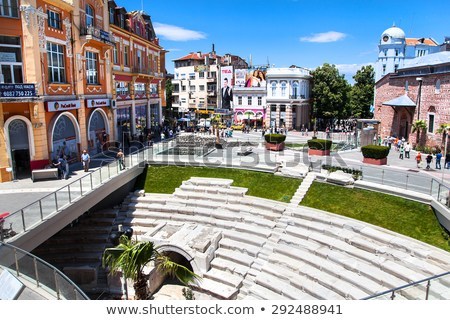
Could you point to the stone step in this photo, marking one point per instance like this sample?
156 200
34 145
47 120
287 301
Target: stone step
216 288
239 246
233 267
234 256
225 277
262 293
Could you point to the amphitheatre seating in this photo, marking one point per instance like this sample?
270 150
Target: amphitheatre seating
267 250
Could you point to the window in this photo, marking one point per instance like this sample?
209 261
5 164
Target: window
437 88
395 68
115 54
406 86
91 68
126 56
396 52
201 75
10 60
202 87
283 89
191 76
274 88
54 19
295 90
431 123
89 16
111 15
122 88
139 88
240 101
183 88
55 60
249 101
9 8
139 59
192 88
121 21
384 68
259 101
138 28
183 76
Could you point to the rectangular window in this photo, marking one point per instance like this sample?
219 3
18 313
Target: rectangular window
55 60
259 101
126 56
111 15
192 88
396 68
91 68
122 88
249 101
191 76
54 19
431 123
240 101
201 87
115 54
384 68
183 88
201 75
10 60
9 8
89 16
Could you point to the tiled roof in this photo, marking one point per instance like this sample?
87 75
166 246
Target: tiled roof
428 60
195 56
414 41
402 101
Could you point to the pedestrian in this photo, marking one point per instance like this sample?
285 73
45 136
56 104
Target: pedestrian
85 159
120 159
62 165
407 150
418 159
66 168
429 158
402 151
56 164
447 161
438 160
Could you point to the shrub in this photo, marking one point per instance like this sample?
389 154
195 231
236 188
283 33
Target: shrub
354 172
275 138
375 152
319 144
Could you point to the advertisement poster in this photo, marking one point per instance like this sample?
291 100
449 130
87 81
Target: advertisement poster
250 78
226 77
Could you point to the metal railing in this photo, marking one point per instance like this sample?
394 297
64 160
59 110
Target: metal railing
36 212
414 289
38 275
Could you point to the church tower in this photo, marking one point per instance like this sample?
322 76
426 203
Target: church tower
391 52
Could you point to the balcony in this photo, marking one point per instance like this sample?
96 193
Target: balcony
92 33
297 96
212 93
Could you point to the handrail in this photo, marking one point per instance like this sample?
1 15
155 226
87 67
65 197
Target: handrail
407 286
58 292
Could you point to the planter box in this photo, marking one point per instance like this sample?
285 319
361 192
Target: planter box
314 152
275 146
378 162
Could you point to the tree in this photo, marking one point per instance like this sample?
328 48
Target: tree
362 93
419 126
329 92
169 98
130 257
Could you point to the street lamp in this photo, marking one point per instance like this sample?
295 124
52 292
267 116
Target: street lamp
419 97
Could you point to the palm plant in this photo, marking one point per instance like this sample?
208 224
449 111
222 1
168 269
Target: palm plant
443 129
130 257
418 126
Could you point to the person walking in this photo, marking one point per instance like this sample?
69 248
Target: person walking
407 150
438 160
418 159
120 159
402 151
429 158
447 161
85 159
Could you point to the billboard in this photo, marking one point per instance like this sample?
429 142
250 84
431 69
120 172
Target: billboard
226 79
250 78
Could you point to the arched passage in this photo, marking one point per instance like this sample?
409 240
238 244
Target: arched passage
20 146
97 127
65 136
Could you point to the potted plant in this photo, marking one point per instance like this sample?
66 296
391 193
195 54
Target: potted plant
375 154
275 141
319 147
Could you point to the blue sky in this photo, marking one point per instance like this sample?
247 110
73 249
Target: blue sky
286 32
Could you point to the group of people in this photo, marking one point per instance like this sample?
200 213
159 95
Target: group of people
437 157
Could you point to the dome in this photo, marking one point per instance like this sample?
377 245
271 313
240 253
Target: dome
394 32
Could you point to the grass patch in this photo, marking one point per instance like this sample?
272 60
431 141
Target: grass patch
406 217
294 145
159 179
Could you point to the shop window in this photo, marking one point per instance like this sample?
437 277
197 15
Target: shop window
91 67
55 60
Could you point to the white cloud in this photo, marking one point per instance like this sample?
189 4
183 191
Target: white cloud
330 36
175 33
351 68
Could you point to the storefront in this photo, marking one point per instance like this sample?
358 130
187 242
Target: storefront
123 116
98 130
250 117
141 119
64 130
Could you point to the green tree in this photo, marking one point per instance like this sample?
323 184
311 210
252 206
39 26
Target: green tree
419 127
169 98
130 257
329 92
362 93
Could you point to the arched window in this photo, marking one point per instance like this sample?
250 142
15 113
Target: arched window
295 91
89 16
283 89
274 88
437 89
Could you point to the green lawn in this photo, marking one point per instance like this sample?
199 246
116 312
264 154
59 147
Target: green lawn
407 217
159 179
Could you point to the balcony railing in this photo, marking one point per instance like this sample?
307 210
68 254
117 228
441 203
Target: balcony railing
98 34
297 96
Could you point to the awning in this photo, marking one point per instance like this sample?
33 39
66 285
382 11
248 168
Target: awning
402 101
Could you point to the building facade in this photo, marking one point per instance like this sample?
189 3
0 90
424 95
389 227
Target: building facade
288 103
138 74
60 48
418 91
394 49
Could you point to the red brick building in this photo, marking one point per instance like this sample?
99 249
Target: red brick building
418 91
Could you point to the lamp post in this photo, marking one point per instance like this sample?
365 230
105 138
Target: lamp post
445 151
419 97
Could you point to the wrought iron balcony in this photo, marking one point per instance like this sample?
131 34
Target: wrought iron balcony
91 32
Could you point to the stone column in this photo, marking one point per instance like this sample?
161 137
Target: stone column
288 118
277 119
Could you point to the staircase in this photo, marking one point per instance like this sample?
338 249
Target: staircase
302 189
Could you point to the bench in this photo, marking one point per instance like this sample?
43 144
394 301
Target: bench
245 152
37 174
